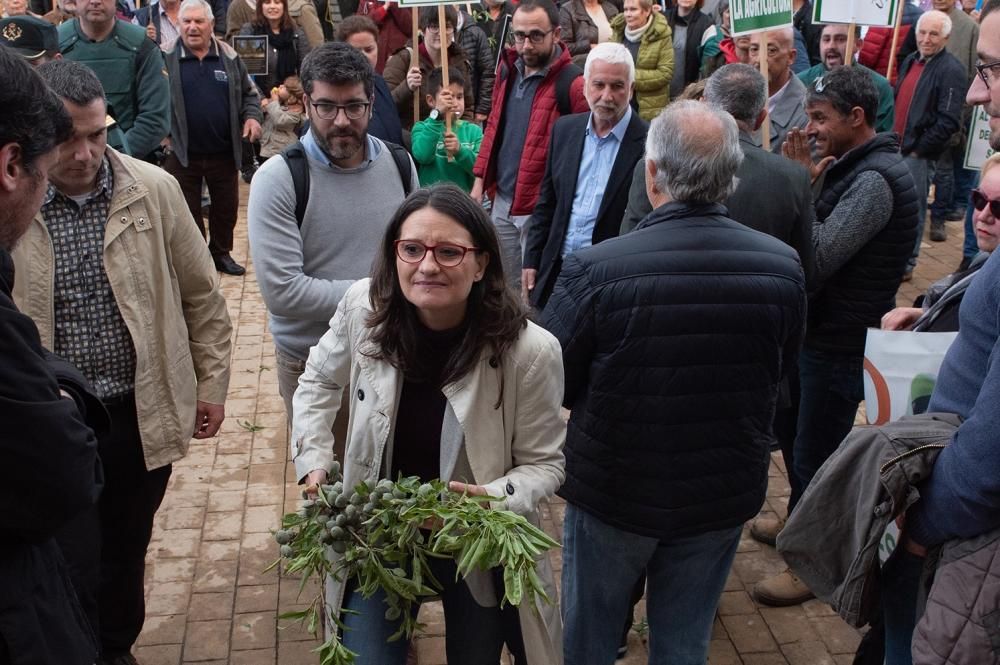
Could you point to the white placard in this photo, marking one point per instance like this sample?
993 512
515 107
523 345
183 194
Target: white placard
978 150
880 13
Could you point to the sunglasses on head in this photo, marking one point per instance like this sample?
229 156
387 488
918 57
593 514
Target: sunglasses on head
979 201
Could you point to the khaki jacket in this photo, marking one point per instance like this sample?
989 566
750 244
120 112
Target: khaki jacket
168 292
514 450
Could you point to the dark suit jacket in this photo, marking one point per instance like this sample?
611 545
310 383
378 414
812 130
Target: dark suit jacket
550 219
773 196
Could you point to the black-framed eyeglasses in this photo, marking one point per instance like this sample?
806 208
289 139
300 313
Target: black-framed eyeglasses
330 111
536 36
447 255
980 201
988 71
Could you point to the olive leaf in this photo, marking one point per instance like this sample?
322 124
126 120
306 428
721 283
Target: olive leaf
377 537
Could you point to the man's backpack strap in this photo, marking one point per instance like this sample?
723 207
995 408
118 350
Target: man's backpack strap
402 159
564 80
298 165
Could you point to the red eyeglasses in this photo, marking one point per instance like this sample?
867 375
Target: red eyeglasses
979 201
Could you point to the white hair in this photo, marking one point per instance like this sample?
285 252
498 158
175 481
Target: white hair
695 147
939 15
197 4
612 53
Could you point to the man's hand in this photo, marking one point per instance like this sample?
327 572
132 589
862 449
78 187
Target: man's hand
451 144
151 31
208 419
477 190
414 79
528 277
796 148
480 118
901 318
251 130
907 543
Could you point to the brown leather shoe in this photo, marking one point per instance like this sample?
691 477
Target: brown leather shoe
766 527
782 590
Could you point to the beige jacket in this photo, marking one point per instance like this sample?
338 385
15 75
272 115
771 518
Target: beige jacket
514 451
168 292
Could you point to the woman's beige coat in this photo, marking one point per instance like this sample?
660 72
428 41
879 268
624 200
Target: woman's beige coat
514 449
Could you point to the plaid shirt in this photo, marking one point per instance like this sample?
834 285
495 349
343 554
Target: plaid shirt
89 329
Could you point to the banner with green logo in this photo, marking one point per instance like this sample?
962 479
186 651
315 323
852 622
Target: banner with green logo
758 15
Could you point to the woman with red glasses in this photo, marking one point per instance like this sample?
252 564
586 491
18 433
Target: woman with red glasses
937 310
449 380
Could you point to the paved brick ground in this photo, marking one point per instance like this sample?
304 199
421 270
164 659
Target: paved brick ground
209 599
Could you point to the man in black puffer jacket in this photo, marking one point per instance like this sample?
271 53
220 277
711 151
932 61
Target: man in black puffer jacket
49 471
675 338
866 220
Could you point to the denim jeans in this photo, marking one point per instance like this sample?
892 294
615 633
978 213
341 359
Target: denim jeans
952 182
831 388
900 587
922 171
474 634
685 577
512 234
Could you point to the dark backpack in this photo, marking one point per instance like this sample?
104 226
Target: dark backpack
564 80
298 165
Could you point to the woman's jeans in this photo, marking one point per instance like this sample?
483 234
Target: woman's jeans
474 635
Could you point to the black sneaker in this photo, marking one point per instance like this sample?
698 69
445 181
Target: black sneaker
939 233
227 265
956 215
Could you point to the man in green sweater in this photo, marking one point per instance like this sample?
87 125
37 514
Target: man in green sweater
833 53
130 68
441 155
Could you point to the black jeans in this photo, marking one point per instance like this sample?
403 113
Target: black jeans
105 548
220 175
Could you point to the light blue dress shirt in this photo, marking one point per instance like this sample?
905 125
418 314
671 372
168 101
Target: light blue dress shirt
598 158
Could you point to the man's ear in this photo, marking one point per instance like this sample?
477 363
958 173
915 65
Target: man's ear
759 120
857 116
11 167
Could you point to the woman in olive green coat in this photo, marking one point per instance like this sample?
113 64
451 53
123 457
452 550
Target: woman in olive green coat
646 34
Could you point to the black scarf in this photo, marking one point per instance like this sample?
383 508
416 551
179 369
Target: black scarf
288 60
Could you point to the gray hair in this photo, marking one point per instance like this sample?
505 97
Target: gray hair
939 15
612 53
695 147
196 4
739 89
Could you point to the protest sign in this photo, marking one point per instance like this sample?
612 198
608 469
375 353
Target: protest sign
758 15
880 13
978 150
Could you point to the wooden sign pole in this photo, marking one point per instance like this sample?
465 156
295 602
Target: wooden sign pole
852 40
443 31
895 42
415 62
766 126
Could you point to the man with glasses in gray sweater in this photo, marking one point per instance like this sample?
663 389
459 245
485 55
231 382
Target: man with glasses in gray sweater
307 257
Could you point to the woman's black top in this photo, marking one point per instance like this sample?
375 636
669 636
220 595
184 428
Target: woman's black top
416 445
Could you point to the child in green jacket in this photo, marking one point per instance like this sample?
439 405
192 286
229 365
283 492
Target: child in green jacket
443 156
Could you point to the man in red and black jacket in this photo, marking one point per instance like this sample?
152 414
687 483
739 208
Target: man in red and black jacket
535 85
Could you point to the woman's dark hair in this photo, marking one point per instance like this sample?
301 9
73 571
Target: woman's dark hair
494 316
429 16
352 25
33 116
287 22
